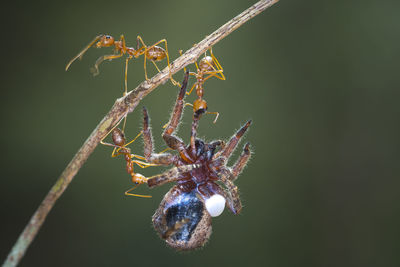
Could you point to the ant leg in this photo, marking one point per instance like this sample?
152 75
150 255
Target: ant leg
155 65
142 164
233 142
194 85
171 175
127 193
167 54
145 67
116 151
122 39
241 162
149 155
216 115
218 65
95 69
144 46
80 54
126 75
214 74
141 51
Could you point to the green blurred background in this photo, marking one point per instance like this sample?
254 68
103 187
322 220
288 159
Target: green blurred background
319 78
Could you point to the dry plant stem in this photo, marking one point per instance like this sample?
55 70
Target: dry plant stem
121 107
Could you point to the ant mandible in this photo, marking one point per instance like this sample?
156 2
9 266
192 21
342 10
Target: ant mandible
152 53
208 67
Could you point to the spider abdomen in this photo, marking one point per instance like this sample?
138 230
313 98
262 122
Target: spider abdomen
182 220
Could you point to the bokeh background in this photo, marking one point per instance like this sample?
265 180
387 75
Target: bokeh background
319 78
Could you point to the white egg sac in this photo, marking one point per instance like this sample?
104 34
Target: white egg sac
215 205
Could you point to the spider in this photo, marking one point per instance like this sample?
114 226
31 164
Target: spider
183 218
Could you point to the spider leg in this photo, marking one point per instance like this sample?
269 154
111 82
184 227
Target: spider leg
232 194
193 134
177 112
227 176
150 156
171 140
241 162
233 142
170 176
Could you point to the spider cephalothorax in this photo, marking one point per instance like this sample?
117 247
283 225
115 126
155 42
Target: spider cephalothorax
183 218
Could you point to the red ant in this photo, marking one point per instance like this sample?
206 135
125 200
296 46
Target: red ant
208 67
120 148
152 53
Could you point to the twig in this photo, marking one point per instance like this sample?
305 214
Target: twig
121 107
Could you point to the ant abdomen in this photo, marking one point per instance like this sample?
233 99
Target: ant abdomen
156 53
206 64
118 137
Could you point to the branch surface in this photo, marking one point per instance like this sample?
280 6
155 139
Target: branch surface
122 107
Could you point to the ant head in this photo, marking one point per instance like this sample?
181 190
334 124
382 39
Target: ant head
199 106
105 41
138 179
206 64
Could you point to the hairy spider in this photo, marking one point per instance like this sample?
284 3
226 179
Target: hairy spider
183 218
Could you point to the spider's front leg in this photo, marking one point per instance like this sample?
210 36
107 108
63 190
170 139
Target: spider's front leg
155 158
168 135
228 175
233 142
241 162
171 175
231 194
177 112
